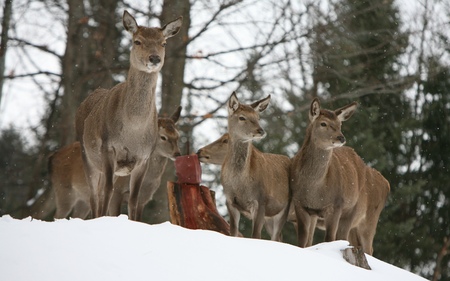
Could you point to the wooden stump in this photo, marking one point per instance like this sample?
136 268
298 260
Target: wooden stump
193 206
356 256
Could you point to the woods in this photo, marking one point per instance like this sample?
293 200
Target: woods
391 57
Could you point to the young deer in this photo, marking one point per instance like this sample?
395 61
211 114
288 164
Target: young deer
215 152
72 191
118 128
330 181
255 184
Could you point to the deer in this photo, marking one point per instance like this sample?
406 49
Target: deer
330 181
255 184
118 128
72 193
215 152
166 148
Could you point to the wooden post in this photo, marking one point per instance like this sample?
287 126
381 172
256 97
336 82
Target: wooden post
192 205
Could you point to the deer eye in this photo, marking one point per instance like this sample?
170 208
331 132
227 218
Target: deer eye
323 124
137 42
242 118
225 141
163 138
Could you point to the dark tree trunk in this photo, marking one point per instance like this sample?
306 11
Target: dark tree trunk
7 11
171 93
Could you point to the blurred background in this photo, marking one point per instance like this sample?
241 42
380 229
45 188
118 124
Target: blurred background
392 57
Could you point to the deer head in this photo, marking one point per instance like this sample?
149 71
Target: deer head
243 120
215 152
167 143
147 53
326 125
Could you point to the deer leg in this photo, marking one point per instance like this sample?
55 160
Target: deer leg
303 225
278 222
108 176
94 200
312 229
235 216
136 179
269 225
258 219
365 232
343 231
331 225
81 210
146 195
64 202
115 203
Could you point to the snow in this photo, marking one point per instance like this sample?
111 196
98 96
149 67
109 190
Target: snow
115 248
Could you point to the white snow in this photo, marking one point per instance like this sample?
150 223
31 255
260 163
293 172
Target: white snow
115 248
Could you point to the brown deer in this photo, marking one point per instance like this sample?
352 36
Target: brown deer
118 128
215 152
72 191
330 181
255 184
166 148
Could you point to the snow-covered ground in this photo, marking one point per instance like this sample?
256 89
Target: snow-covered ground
115 248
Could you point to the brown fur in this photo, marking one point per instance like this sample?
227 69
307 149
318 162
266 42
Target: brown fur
255 183
215 152
72 191
118 128
332 182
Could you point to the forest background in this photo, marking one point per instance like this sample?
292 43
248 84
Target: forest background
392 57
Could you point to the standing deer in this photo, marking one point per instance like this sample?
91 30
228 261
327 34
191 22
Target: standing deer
72 190
330 181
118 128
166 148
255 184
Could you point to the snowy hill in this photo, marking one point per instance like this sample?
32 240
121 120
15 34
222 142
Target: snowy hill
115 248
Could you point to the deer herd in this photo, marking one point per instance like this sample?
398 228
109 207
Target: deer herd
123 148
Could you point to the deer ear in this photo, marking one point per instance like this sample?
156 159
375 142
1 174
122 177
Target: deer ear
172 27
129 22
233 103
176 115
261 105
346 112
314 110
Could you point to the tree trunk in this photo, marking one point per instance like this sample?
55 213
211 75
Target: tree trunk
171 93
175 61
7 11
87 60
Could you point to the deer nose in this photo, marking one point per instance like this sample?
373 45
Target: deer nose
261 131
176 154
155 59
341 138
199 152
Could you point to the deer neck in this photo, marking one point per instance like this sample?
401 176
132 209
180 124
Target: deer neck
315 161
240 153
140 93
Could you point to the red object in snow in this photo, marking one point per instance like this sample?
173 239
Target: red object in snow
192 205
188 169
